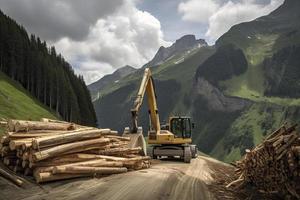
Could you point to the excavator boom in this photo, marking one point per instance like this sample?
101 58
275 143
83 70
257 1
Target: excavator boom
147 85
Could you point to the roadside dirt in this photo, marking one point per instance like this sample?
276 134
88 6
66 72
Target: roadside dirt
166 179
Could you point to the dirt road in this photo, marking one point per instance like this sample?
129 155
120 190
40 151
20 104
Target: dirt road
164 180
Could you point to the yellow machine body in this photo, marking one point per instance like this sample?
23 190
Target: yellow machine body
174 139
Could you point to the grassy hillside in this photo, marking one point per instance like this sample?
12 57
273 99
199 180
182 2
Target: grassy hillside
17 103
271 47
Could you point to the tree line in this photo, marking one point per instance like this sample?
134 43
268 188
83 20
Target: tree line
44 73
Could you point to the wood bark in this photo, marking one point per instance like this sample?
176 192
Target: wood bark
88 170
52 152
67 138
272 163
37 125
48 176
38 147
13 178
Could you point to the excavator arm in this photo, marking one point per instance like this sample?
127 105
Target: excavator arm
164 141
147 86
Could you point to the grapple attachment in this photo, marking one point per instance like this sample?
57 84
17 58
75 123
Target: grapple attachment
136 139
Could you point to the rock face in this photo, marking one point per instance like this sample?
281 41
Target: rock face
216 99
109 79
185 43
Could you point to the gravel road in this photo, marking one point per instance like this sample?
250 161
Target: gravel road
164 180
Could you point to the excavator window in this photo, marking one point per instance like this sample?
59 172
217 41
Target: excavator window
181 127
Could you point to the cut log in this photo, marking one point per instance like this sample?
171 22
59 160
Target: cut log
37 125
67 138
13 178
39 147
26 145
25 163
53 120
28 172
11 125
62 160
120 151
48 176
88 170
120 138
14 144
52 152
272 166
5 140
97 163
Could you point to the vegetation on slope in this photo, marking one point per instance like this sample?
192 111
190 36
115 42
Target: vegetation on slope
17 103
270 82
46 75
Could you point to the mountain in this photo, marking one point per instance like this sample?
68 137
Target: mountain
173 81
237 91
97 87
256 64
181 46
46 75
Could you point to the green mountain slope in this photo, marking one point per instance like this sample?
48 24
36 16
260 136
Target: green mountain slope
17 103
237 91
270 83
113 107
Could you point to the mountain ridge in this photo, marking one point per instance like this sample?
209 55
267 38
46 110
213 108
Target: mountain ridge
181 45
97 87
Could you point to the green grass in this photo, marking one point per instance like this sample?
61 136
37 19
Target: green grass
17 103
250 85
258 120
233 155
252 81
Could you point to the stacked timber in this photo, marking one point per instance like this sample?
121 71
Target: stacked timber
273 166
53 150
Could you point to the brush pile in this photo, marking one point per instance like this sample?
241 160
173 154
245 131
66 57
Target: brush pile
54 150
274 165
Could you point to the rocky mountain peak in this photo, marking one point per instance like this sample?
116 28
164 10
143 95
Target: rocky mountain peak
181 45
124 71
187 41
97 86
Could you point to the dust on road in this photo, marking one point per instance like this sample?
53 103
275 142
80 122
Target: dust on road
164 180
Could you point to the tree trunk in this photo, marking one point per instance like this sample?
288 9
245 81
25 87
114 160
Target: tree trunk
36 125
88 170
42 155
11 177
48 176
67 138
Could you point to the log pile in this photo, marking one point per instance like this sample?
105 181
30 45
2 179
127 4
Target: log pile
52 150
273 166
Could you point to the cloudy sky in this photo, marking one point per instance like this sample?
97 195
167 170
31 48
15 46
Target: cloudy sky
99 36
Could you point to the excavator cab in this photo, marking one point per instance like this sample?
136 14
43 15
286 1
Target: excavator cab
181 127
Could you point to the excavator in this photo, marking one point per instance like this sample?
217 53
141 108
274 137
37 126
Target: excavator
173 139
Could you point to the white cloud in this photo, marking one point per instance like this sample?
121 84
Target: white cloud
220 16
54 19
197 11
128 36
